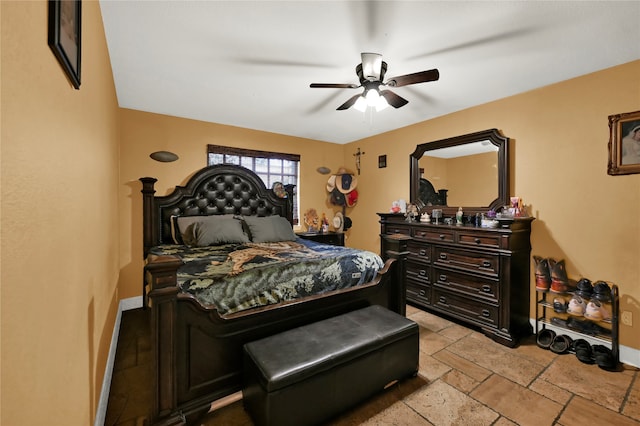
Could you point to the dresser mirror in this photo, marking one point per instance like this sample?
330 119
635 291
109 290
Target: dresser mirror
469 171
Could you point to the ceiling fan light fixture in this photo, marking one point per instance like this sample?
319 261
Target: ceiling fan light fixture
381 104
371 66
372 97
361 104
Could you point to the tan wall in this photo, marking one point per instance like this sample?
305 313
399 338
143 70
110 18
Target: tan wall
559 167
144 133
59 221
471 180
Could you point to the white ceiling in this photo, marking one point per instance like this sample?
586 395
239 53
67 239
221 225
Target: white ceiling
250 63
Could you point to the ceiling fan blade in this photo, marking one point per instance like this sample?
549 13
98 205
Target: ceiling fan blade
334 86
393 99
349 103
417 77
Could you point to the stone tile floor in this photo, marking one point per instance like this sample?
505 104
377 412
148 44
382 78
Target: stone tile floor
464 378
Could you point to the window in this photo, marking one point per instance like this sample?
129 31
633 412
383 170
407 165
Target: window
271 167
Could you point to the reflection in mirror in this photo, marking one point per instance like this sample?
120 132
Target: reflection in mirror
446 170
468 171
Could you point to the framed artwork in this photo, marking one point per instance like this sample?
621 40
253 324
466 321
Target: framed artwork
382 161
65 36
624 143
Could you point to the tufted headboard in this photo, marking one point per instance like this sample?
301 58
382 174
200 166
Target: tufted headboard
221 189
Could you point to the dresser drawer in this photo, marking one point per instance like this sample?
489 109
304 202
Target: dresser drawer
429 234
418 272
419 251
480 240
473 286
392 228
479 313
418 293
470 261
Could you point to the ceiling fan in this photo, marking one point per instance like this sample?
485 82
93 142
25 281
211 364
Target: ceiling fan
371 74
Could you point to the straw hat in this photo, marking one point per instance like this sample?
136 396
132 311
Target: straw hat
345 181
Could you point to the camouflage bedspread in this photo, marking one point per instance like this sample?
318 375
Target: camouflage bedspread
235 277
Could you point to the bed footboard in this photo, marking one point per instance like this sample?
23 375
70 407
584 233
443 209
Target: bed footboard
197 353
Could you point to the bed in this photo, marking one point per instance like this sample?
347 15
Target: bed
230 221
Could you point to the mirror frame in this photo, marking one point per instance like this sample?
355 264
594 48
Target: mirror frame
493 136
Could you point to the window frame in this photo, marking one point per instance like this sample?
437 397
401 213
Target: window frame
253 154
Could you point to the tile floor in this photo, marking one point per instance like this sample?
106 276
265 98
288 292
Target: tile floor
464 379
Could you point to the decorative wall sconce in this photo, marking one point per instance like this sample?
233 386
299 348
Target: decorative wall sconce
163 156
358 154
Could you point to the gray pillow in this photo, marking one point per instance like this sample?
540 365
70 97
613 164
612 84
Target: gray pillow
184 234
269 229
223 229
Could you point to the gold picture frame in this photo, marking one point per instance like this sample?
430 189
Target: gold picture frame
624 143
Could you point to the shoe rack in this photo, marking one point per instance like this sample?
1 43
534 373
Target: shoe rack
546 315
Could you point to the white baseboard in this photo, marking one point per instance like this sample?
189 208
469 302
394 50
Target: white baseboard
629 356
124 305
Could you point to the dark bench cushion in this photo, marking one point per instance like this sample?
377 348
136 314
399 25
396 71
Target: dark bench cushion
297 354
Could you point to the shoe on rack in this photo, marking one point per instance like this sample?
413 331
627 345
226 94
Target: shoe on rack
559 279
577 306
561 344
543 274
584 288
596 311
602 292
560 305
586 327
545 338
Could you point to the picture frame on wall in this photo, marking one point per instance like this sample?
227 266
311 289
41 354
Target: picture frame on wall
624 143
65 36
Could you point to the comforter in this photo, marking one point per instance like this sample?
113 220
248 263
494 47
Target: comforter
236 277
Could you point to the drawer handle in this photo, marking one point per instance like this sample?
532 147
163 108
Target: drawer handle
477 240
443 256
443 277
423 252
485 313
486 264
443 300
486 288
422 234
422 293
422 273
441 236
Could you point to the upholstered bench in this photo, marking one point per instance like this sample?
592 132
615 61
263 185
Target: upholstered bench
312 373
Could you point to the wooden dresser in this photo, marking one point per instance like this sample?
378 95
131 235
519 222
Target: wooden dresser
479 276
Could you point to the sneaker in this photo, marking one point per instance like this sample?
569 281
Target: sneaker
602 292
577 306
584 288
560 305
596 311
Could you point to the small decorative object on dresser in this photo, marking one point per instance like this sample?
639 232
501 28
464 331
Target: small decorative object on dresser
472 274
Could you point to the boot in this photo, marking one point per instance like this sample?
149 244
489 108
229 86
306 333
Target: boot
559 279
543 274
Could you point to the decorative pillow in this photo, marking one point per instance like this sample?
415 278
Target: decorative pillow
223 229
182 232
269 229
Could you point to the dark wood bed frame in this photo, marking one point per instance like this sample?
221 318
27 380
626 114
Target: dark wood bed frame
196 352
